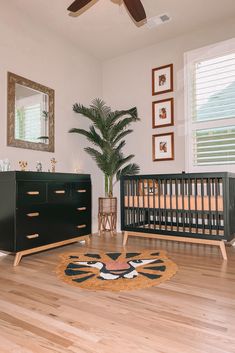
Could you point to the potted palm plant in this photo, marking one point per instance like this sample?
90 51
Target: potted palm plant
106 134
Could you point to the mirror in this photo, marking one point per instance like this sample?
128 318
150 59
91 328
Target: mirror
30 122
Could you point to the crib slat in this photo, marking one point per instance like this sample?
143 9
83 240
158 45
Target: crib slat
189 204
171 194
138 201
148 203
143 203
177 204
154 203
128 202
202 198
209 201
216 206
159 203
196 208
165 205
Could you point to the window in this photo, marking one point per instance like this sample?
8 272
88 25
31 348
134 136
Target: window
31 123
28 123
210 107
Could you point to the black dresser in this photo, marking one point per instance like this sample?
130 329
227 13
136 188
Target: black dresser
39 211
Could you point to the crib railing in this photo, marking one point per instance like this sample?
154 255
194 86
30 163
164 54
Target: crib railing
186 204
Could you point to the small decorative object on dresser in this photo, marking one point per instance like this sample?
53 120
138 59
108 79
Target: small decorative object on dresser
5 165
39 211
23 165
162 79
53 163
39 166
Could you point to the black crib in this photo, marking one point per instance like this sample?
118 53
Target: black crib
195 207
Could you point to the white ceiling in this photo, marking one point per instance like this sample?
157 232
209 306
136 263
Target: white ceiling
106 30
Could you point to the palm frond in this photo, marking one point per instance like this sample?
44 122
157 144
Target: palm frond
88 113
119 161
93 114
120 146
120 136
100 105
130 169
98 157
117 114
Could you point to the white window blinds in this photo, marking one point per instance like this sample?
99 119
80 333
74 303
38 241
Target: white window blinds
28 123
212 111
214 89
214 146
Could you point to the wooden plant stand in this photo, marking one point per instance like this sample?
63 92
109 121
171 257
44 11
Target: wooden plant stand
18 255
219 243
107 215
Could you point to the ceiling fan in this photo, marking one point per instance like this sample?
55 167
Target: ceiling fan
134 7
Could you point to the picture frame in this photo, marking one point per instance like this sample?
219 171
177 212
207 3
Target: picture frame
163 113
162 79
163 147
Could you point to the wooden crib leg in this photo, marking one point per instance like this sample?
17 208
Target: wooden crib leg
125 238
223 250
88 240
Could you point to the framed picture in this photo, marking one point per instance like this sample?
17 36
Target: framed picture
163 147
162 79
163 113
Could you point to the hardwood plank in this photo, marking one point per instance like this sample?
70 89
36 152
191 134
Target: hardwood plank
193 312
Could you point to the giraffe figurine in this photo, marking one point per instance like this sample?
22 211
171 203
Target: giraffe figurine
53 163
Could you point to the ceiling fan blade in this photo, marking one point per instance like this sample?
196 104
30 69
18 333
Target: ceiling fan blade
136 9
78 5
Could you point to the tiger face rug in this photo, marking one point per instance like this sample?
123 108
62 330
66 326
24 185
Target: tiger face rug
116 271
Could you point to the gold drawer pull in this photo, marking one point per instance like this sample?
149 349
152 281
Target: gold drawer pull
32 236
81 190
59 191
33 214
33 192
81 226
81 209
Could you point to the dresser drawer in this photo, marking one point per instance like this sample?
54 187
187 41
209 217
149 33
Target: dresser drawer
30 193
78 229
80 215
29 237
59 193
30 216
81 193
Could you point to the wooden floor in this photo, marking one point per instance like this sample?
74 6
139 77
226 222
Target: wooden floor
194 312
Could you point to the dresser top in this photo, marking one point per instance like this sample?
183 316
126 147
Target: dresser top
43 176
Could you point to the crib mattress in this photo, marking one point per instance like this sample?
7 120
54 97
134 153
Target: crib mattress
199 203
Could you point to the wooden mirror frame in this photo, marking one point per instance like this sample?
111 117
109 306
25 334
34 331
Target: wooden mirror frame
12 80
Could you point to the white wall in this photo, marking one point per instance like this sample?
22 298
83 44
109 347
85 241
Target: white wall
40 56
127 82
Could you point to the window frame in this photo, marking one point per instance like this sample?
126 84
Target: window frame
190 58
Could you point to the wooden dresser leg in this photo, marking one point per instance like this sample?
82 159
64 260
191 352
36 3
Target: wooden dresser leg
18 257
125 238
223 250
